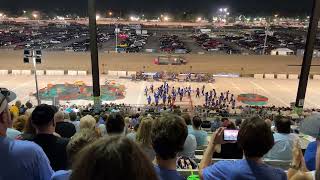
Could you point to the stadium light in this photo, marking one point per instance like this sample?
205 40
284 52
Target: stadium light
166 18
24 11
199 19
110 13
225 10
221 10
1 14
97 16
35 15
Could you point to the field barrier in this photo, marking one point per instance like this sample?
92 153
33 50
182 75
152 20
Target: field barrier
128 74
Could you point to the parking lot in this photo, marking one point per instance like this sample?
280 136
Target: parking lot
139 39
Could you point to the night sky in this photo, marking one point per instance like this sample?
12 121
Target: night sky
285 7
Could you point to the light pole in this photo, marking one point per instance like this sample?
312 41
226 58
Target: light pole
35 54
116 31
265 41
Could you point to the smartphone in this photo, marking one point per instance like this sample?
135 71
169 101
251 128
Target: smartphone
230 135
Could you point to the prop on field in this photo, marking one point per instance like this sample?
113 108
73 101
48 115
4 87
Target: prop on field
253 99
80 91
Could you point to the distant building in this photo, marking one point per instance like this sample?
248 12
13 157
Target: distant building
316 53
282 52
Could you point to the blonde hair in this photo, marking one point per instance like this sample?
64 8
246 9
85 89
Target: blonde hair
144 132
20 122
58 116
87 122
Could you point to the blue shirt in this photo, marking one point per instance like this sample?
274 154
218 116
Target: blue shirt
166 174
12 133
201 137
242 170
23 160
310 155
282 148
61 175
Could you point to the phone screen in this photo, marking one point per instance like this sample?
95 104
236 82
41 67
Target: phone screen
230 135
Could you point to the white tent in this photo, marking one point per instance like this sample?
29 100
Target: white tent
282 52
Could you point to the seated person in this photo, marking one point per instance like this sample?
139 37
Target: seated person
76 143
230 150
19 159
63 128
42 119
310 155
115 124
169 133
256 139
112 157
201 135
283 140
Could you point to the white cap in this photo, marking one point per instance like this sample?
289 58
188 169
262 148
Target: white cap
6 96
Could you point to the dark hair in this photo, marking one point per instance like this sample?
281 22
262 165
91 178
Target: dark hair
42 115
29 105
186 118
73 116
238 122
112 157
255 137
283 124
196 121
115 123
80 140
169 133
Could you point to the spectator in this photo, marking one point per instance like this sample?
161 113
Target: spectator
256 139
215 124
229 150
187 119
42 119
63 128
190 145
238 123
87 122
74 120
132 135
201 135
112 157
115 124
169 133
11 132
29 132
20 123
102 124
15 109
298 169
127 125
76 143
29 109
283 140
19 159
225 122
310 155
144 137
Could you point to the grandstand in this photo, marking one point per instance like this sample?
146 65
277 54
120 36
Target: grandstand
123 116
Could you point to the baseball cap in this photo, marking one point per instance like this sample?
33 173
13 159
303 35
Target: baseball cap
6 96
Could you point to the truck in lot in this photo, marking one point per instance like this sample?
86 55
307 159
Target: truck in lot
170 60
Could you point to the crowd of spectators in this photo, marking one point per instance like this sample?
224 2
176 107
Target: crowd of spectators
123 142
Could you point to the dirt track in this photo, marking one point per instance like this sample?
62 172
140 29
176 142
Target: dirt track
135 62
